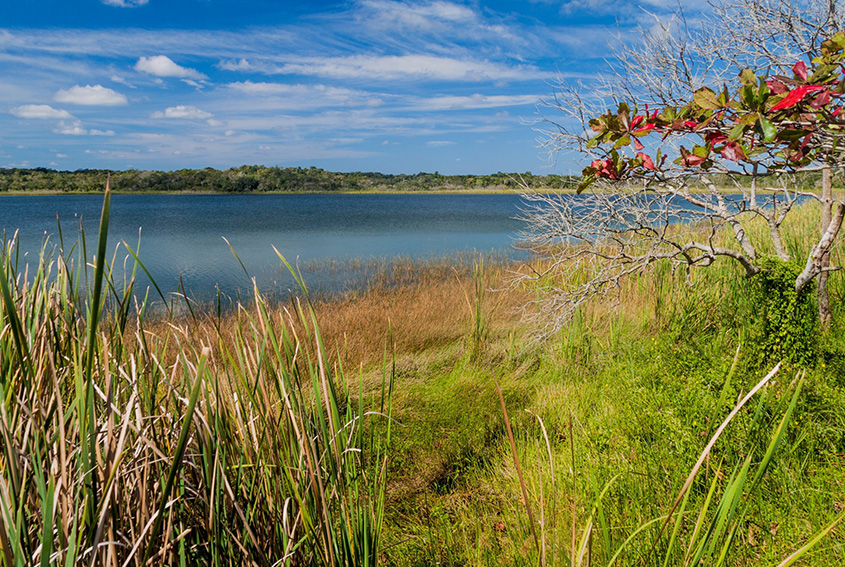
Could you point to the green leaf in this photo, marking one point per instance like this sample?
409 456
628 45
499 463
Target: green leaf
724 97
707 99
747 77
624 115
737 132
769 130
701 151
790 134
586 182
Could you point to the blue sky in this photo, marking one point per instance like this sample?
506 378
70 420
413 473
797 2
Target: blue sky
397 86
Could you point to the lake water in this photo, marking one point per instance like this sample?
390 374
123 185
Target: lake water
181 236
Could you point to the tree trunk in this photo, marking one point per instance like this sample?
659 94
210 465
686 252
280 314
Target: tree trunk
821 284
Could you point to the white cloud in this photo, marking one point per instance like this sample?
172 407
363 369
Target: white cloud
73 129
125 3
420 15
239 65
40 111
439 143
61 155
474 101
627 7
193 83
428 67
278 89
96 95
94 132
182 111
122 81
164 66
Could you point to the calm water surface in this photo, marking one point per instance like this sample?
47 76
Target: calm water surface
182 235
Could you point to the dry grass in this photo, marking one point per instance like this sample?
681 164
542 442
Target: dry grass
417 306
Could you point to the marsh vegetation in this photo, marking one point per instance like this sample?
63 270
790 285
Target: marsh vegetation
414 424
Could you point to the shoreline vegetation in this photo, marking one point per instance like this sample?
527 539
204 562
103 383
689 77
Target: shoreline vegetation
414 424
256 179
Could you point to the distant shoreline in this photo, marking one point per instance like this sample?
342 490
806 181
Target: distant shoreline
268 180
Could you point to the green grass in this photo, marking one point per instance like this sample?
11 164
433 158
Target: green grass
206 438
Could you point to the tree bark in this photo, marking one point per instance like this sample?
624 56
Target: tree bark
821 284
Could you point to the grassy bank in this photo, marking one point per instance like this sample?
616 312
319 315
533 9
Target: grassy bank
370 429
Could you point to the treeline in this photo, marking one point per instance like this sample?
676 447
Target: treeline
260 179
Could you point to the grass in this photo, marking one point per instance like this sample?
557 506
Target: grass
414 422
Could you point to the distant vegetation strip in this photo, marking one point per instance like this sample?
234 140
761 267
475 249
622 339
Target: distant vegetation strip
261 179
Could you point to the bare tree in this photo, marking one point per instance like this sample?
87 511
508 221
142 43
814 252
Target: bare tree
678 212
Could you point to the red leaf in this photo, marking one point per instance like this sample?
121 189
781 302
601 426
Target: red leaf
715 138
636 121
795 96
800 70
733 152
777 86
647 127
638 145
605 168
647 163
690 124
797 156
821 100
691 160
806 140
609 169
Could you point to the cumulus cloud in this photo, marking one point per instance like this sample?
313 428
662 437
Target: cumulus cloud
230 65
94 132
182 111
96 95
73 129
125 3
164 66
41 111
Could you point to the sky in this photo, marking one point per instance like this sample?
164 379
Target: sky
396 86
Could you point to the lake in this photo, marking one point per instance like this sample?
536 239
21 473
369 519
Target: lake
182 236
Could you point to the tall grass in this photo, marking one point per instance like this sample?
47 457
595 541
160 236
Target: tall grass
128 444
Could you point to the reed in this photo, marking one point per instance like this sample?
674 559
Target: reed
125 444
